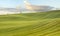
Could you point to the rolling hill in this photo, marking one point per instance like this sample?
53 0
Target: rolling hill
31 24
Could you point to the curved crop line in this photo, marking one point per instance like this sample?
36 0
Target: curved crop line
42 31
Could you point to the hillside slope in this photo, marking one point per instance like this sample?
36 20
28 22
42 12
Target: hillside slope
31 24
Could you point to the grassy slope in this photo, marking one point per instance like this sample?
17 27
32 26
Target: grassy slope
32 24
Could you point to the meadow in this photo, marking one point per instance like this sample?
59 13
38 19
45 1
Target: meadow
30 24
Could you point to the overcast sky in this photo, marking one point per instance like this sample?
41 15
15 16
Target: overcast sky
14 3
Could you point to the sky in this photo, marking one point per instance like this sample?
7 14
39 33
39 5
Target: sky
15 3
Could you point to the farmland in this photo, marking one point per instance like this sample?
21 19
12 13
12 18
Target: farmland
31 24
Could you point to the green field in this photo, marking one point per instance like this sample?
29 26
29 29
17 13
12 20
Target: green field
31 24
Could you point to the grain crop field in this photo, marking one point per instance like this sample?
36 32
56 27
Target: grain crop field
31 24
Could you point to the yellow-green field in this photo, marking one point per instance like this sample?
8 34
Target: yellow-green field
31 24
